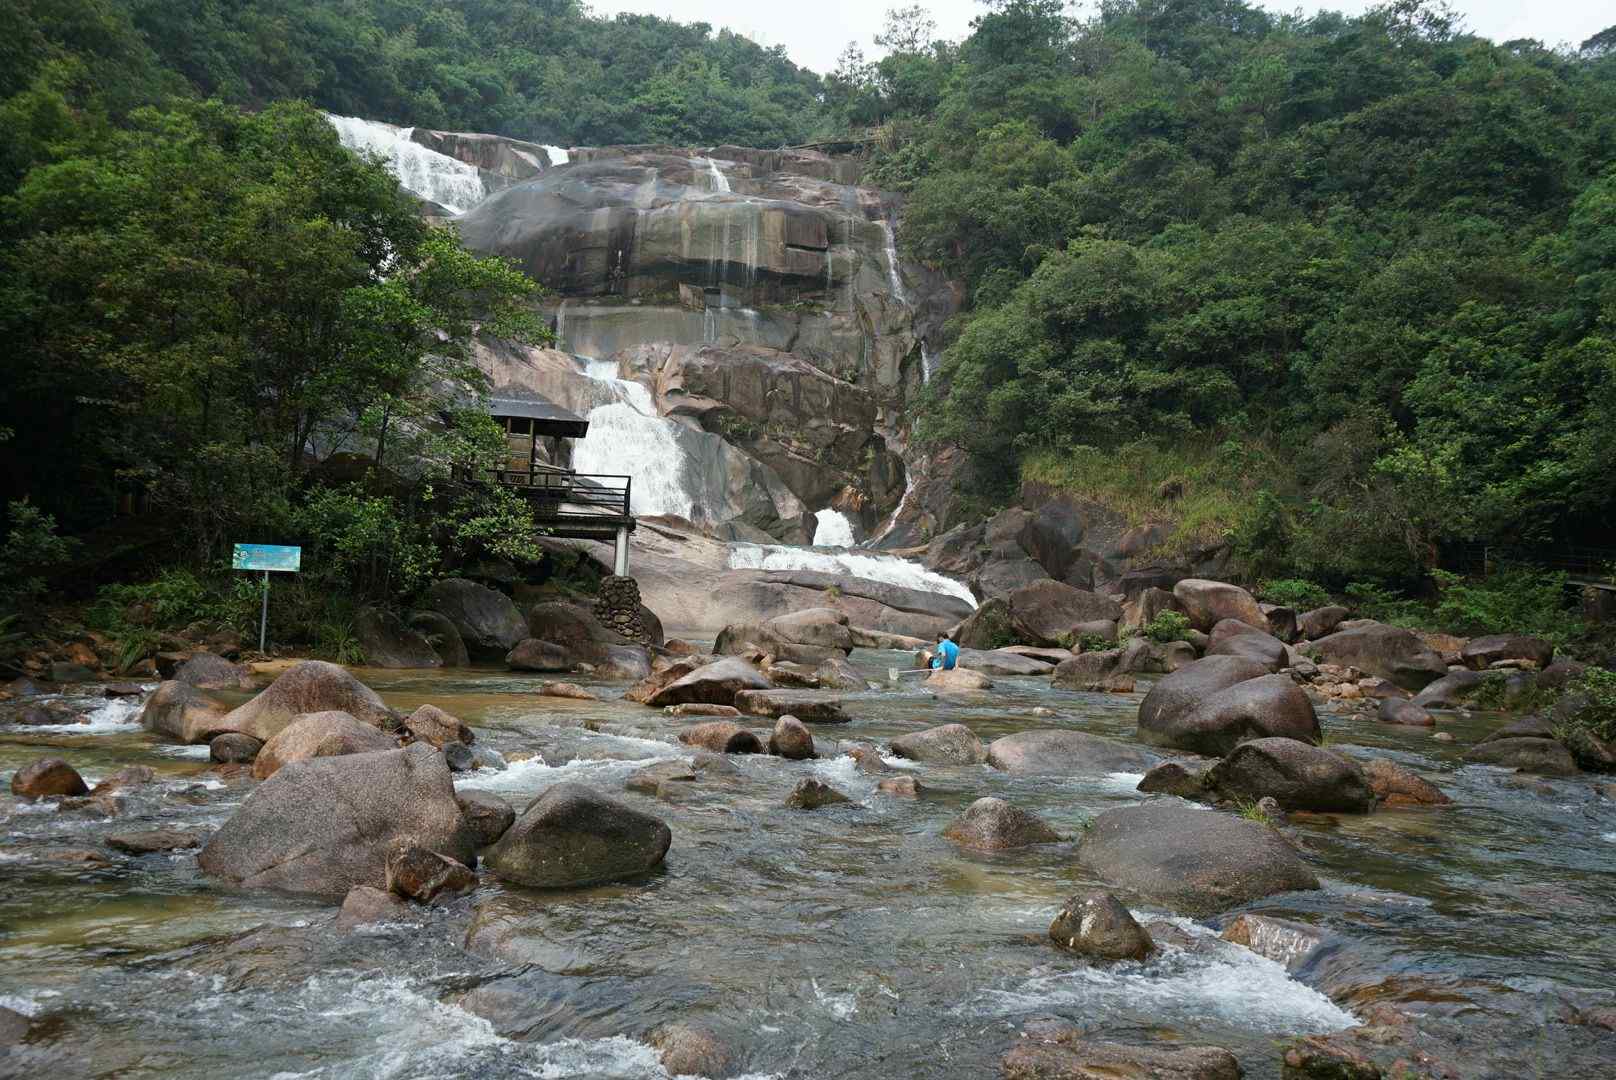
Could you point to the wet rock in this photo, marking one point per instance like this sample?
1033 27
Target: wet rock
13 1027
47 778
948 744
866 758
1062 752
568 690
1298 775
572 836
713 684
425 875
1292 944
823 627
1545 757
1192 860
649 780
687 1050
722 737
1523 727
484 816
154 840
308 686
209 671
623 663
1387 651
957 681
1047 612
1479 654
992 824
531 654
809 706
1060 1052
441 634
181 711
1394 785
838 673
431 725
1207 603
1318 1057
366 906
902 786
1231 637
1086 669
1096 925
1189 685
459 757
1403 712
325 825
318 735
389 642
700 709
738 639
812 794
233 748
1171 778
791 740
125 779
1272 705
1312 625
487 621
1003 662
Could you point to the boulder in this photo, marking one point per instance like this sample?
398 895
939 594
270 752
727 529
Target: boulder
531 654
1312 625
572 628
1207 603
1061 752
1401 711
209 671
948 744
825 628
999 578
957 681
687 1050
1195 861
1394 785
1048 612
1047 657
47 778
1087 669
484 817
994 825
424 875
440 633
318 735
366 905
1059 1051
739 639
624 663
1479 654
487 621
1224 718
1290 944
1190 684
812 794
308 686
1231 637
233 748
125 779
181 711
988 627
572 836
662 676
838 673
1004 662
325 825
571 691
866 758
430 724
1450 691
1560 674
722 737
151 841
1172 778
903 786
809 706
713 684
1388 651
791 740
390 642
1282 622
699 709
1545 757
13 1027
1298 775
1096 925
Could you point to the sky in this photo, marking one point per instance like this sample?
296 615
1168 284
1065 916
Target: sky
815 33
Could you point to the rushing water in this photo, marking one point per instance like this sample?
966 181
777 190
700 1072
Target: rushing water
849 942
885 568
833 529
449 182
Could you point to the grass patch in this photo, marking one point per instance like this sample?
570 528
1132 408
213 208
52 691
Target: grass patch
1251 811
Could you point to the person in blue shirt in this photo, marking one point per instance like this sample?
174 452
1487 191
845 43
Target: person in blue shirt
947 654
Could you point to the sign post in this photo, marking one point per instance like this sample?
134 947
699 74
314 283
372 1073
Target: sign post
266 557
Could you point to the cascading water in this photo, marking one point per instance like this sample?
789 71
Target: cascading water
628 438
557 155
897 514
888 569
720 181
833 529
894 278
453 185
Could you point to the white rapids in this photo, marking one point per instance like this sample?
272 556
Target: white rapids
452 184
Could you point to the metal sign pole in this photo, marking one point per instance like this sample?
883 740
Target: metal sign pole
263 617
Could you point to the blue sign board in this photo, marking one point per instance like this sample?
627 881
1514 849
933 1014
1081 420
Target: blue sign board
266 557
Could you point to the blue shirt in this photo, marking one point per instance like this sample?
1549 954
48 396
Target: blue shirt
947 656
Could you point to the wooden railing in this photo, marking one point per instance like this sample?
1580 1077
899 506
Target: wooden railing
563 495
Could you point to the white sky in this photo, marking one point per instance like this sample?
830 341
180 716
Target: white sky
815 33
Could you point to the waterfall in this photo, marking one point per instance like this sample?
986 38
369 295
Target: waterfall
891 522
885 568
557 155
895 279
452 184
720 181
628 438
928 362
833 530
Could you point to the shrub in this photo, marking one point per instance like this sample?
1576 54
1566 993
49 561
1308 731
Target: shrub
1167 626
1598 716
1386 605
1094 643
1516 600
31 549
1293 593
175 599
367 546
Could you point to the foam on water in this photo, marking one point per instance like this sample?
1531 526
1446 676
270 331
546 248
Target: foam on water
834 529
1609 837
842 1006
623 441
109 717
716 175
449 182
200 752
558 155
894 278
883 568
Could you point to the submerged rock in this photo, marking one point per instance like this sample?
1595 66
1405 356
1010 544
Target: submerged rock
365 905
572 836
1062 752
13 1027
809 706
947 744
1298 775
1403 712
991 824
317 735
791 740
904 786
425 875
567 690
1060 1051
233 748
1172 778
1394 785
154 840
687 1050
1289 943
1545 757
1095 924
484 816
47 778
811 794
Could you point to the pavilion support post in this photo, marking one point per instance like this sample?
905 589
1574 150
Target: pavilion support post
620 562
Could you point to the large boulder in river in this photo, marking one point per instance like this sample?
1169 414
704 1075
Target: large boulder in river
1087 669
825 628
712 684
738 639
390 642
1545 757
1231 637
1394 785
1481 653
1298 775
1191 684
441 634
1096 925
994 825
309 686
47 778
1315 624
957 681
531 654
1450 691
722 737
1048 612
181 711
1272 705
988 627
321 734
949 744
487 621
572 836
1207 603
1004 662
326 825
210 671
1388 651
1194 861
573 628
810 706
1062 752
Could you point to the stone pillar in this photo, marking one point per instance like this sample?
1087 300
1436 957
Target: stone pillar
617 605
